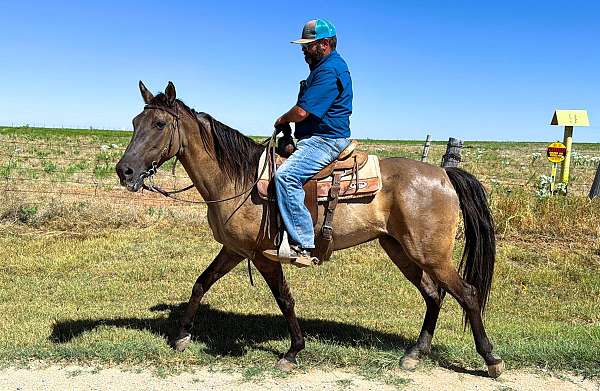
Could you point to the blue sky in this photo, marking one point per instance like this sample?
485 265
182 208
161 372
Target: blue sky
471 70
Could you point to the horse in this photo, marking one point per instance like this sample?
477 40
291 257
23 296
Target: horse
415 218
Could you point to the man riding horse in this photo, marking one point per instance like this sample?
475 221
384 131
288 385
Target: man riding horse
322 118
415 216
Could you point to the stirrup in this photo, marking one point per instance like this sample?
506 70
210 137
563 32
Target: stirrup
296 261
284 255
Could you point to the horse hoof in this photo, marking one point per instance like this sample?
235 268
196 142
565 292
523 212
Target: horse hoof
409 363
286 365
495 370
182 343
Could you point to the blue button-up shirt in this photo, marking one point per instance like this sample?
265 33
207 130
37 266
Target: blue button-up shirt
327 97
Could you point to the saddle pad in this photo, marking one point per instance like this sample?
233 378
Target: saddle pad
367 184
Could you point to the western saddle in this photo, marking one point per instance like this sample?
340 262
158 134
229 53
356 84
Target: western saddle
338 180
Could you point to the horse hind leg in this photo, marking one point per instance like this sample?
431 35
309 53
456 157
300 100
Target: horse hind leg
431 293
448 278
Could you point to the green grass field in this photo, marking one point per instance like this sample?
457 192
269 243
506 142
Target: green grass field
100 279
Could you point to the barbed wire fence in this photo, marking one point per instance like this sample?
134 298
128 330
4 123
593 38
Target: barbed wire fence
78 169
37 171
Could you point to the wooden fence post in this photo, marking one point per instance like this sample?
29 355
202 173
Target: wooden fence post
452 156
425 154
595 190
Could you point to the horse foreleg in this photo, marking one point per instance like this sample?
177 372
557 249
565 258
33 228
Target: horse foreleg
221 265
432 295
273 275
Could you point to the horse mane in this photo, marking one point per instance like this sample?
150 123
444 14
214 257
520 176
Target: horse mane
236 154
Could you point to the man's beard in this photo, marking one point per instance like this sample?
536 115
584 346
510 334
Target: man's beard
313 59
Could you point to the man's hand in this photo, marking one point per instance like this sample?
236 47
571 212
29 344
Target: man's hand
286 129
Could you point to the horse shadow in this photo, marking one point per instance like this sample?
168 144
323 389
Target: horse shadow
232 334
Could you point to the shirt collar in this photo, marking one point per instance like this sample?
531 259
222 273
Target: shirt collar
324 60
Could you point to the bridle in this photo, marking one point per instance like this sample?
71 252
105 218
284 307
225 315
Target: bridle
175 113
151 172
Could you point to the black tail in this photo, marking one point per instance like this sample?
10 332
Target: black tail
477 263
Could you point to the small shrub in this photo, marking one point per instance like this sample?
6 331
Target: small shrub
545 185
26 213
48 166
579 159
77 167
7 169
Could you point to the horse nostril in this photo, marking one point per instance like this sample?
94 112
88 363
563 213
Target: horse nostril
128 171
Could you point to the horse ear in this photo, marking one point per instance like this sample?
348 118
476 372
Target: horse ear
170 92
147 95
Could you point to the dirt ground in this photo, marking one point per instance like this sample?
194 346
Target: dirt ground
53 377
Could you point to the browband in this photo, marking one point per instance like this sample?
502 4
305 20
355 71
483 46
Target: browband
163 108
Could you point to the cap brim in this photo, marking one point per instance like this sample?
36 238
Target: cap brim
304 40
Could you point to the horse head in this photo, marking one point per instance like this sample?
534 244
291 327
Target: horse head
157 137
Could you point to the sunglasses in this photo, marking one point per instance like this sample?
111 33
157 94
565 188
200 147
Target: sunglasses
308 45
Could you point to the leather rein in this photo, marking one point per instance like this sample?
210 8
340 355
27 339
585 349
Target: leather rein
149 174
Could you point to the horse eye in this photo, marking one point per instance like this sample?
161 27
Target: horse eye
160 124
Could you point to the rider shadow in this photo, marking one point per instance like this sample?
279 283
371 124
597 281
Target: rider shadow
231 334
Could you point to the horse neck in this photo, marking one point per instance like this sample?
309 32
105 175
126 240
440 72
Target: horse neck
201 167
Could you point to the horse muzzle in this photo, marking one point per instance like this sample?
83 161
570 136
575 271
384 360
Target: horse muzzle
130 177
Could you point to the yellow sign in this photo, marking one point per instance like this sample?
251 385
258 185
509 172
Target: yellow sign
570 118
556 152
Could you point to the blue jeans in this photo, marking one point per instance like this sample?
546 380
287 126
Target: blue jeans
311 156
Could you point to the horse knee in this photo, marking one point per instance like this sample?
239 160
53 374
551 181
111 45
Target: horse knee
286 302
197 290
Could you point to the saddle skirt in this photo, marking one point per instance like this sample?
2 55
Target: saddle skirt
366 183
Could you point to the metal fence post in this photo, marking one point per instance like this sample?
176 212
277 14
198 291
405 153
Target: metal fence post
425 154
452 156
595 190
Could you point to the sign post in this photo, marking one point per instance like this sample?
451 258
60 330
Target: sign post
569 118
556 153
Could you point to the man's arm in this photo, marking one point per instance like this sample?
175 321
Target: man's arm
295 114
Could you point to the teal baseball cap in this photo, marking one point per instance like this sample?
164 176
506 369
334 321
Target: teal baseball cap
316 29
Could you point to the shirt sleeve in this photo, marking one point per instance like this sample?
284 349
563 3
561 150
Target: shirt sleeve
321 93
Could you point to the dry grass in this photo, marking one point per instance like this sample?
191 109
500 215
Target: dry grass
520 214
89 216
